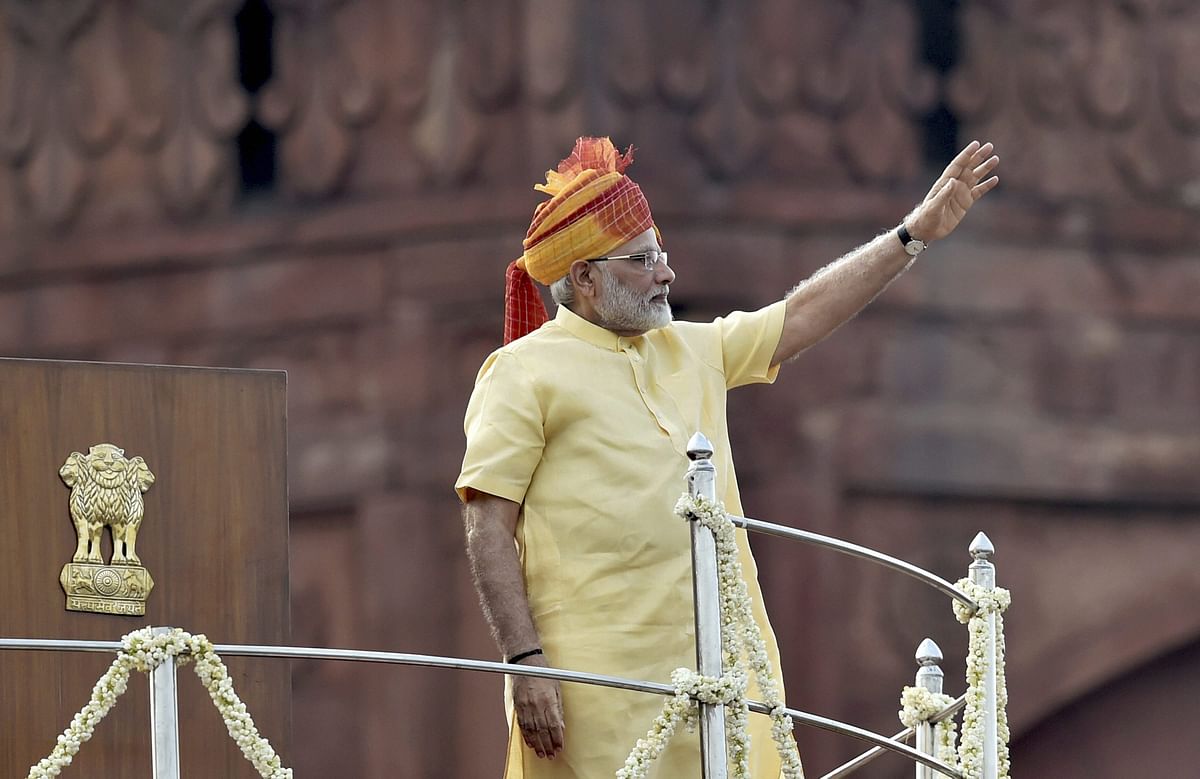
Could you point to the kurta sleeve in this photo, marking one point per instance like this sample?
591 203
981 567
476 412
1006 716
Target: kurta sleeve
748 341
504 430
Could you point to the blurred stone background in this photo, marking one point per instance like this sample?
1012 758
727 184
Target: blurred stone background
333 187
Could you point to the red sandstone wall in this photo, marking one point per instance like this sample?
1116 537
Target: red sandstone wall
1037 375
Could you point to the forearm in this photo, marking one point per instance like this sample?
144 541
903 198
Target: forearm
834 294
496 570
537 703
840 290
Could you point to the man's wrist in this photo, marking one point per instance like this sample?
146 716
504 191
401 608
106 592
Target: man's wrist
912 245
519 656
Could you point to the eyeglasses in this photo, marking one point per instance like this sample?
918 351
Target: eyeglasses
650 259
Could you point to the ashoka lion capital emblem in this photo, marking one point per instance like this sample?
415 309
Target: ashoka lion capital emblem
106 491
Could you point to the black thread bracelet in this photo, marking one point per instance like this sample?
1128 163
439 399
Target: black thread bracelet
523 655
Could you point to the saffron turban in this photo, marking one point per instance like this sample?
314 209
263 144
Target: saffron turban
593 208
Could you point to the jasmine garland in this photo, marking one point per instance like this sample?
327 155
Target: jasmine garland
143 651
919 705
970 749
741 645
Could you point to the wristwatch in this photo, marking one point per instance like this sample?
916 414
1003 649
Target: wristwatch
911 245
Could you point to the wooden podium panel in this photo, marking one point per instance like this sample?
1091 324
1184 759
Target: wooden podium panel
214 538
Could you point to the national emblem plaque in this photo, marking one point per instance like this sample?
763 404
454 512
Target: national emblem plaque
106 490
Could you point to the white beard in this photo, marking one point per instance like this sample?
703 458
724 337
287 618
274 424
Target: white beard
621 308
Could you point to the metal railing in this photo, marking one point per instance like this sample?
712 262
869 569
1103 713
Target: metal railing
701 482
861 552
981 572
852 765
164 675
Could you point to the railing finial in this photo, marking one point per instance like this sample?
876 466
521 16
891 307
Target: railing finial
929 653
699 447
981 547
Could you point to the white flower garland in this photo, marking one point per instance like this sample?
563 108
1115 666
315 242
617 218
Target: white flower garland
144 651
918 706
741 641
970 749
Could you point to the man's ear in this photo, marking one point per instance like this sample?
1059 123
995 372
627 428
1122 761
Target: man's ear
583 278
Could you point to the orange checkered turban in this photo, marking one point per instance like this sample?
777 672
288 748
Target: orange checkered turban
593 208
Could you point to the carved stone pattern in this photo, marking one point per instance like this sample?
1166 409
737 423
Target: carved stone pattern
317 98
472 94
82 75
51 123
448 133
1041 76
187 104
553 73
765 89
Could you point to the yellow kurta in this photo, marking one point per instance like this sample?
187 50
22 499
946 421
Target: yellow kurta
588 431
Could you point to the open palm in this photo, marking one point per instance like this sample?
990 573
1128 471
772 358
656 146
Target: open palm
964 181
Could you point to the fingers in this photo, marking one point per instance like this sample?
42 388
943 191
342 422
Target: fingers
963 166
977 165
535 730
548 737
551 734
557 727
531 732
982 188
539 738
971 164
964 160
977 185
966 179
981 153
985 167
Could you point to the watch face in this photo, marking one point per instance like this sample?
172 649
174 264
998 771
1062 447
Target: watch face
914 247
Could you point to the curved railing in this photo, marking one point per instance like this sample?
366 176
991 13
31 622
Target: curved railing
701 483
881 743
852 765
861 552
164 720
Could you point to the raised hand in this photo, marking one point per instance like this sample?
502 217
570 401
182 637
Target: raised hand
964 181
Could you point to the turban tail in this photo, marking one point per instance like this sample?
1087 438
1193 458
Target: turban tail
593 208
524 311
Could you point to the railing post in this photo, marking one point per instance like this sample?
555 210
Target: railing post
929 676
164 718
701 481
983 574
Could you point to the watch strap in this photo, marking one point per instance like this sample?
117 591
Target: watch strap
912 246
523 655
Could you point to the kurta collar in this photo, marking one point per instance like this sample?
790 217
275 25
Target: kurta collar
592 333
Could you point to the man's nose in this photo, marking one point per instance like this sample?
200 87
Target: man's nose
663 274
